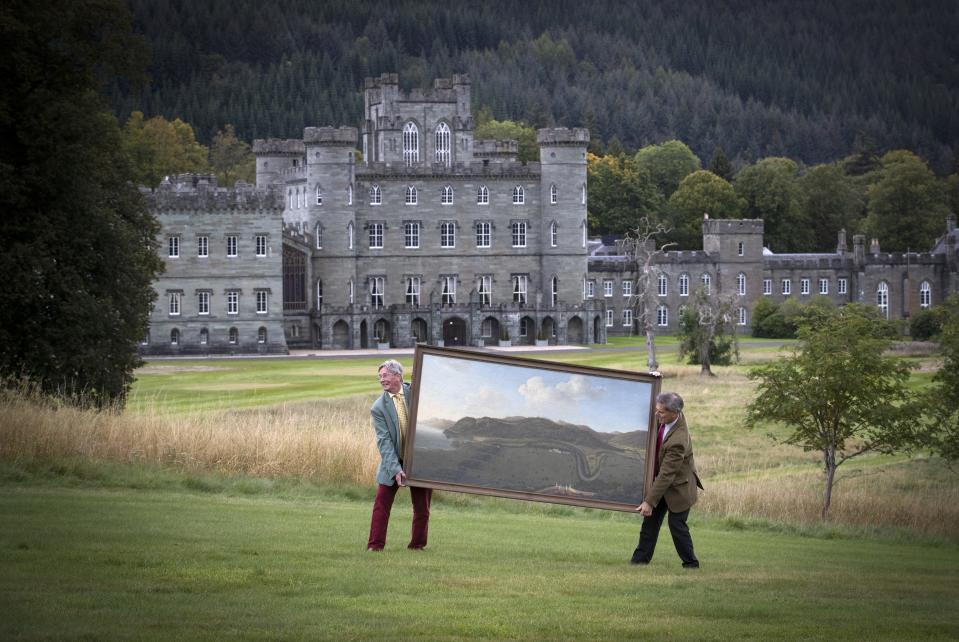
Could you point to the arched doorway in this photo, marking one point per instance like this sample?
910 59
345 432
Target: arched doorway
574 331
341 335
364 339
527 330
454 332
317 336
547 329
597 330
381 331
489 331
420 330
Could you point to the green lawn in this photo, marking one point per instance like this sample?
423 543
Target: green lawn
92 562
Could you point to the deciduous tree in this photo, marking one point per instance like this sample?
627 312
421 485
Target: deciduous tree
231 158
707 334
771 192
159 148
79 244
837 393
941 402
700 193
668 164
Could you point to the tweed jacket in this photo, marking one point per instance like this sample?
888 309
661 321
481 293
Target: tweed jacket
386 425
677 479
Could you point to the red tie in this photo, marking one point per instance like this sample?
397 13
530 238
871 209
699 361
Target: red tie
659 444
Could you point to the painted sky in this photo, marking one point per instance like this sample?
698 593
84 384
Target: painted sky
451 388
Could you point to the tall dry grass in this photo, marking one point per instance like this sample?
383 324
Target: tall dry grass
327 441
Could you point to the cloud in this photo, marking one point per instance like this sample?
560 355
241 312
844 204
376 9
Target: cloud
539 395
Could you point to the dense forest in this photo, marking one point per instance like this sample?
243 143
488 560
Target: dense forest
803 79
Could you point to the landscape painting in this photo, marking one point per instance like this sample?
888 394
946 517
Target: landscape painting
530 429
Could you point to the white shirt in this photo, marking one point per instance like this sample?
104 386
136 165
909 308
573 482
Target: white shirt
669 426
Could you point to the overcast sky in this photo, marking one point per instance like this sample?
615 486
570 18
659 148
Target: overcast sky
451 388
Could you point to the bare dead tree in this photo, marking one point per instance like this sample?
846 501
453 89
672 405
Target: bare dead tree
707 331
640 246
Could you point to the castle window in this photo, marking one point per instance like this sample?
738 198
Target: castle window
410 195
447 197
174 304
376 291
232 302
483 234
173 247
803 286
262 302
203 246
519 195
627 318
299 198
590 289
882 299
553 194
519 233
231 246
261 335
524 327
411 144
349 194
925 295
318 235
204 336
376 196
319 294
349 235
741 284
608 287
485 290
841 286
482 195
448 290
174 337
411 235
662 288
707 283
741 316
349 287
234 336
787 287
319 195
442 144
823 286
260 241
662 316
627 288
583 198
583 227
289 198
767 286
553 234
609 318
413 290
203 302
519 288
376 236
684 285
448 234
554 288
741 248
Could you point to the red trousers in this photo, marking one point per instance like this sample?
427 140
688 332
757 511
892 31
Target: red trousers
381 515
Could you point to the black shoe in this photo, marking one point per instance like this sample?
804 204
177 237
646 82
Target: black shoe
696 565
636 562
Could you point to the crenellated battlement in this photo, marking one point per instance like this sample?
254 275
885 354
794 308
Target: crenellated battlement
732 226
342 136
200 193
496 149
562 136
279 146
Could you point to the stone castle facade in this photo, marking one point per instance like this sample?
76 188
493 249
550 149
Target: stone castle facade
440 238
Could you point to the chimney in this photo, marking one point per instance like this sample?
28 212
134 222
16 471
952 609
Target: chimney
874 246
841 247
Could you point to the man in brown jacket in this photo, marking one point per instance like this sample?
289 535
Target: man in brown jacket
674 486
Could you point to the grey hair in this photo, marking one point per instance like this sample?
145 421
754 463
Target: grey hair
670 401
392 365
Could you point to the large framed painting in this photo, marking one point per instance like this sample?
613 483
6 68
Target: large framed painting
530 429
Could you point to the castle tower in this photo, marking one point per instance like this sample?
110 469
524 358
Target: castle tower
421 128
330 178
736 248
273 157
563 223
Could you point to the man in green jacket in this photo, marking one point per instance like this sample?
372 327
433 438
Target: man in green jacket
674 486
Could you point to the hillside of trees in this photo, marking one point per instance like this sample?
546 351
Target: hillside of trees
756 80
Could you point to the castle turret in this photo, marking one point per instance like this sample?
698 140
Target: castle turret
563 197
273 156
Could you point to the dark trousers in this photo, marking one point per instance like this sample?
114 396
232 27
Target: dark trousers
677 528
381 515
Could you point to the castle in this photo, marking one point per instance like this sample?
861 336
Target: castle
436 237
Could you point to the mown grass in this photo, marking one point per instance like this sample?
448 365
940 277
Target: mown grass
95 562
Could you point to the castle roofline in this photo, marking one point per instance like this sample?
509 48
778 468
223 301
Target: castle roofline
279 146
345 136
562 136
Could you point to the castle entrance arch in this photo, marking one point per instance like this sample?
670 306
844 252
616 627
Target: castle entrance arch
341 335
364 331
574 330
420 330
454 332
597 330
